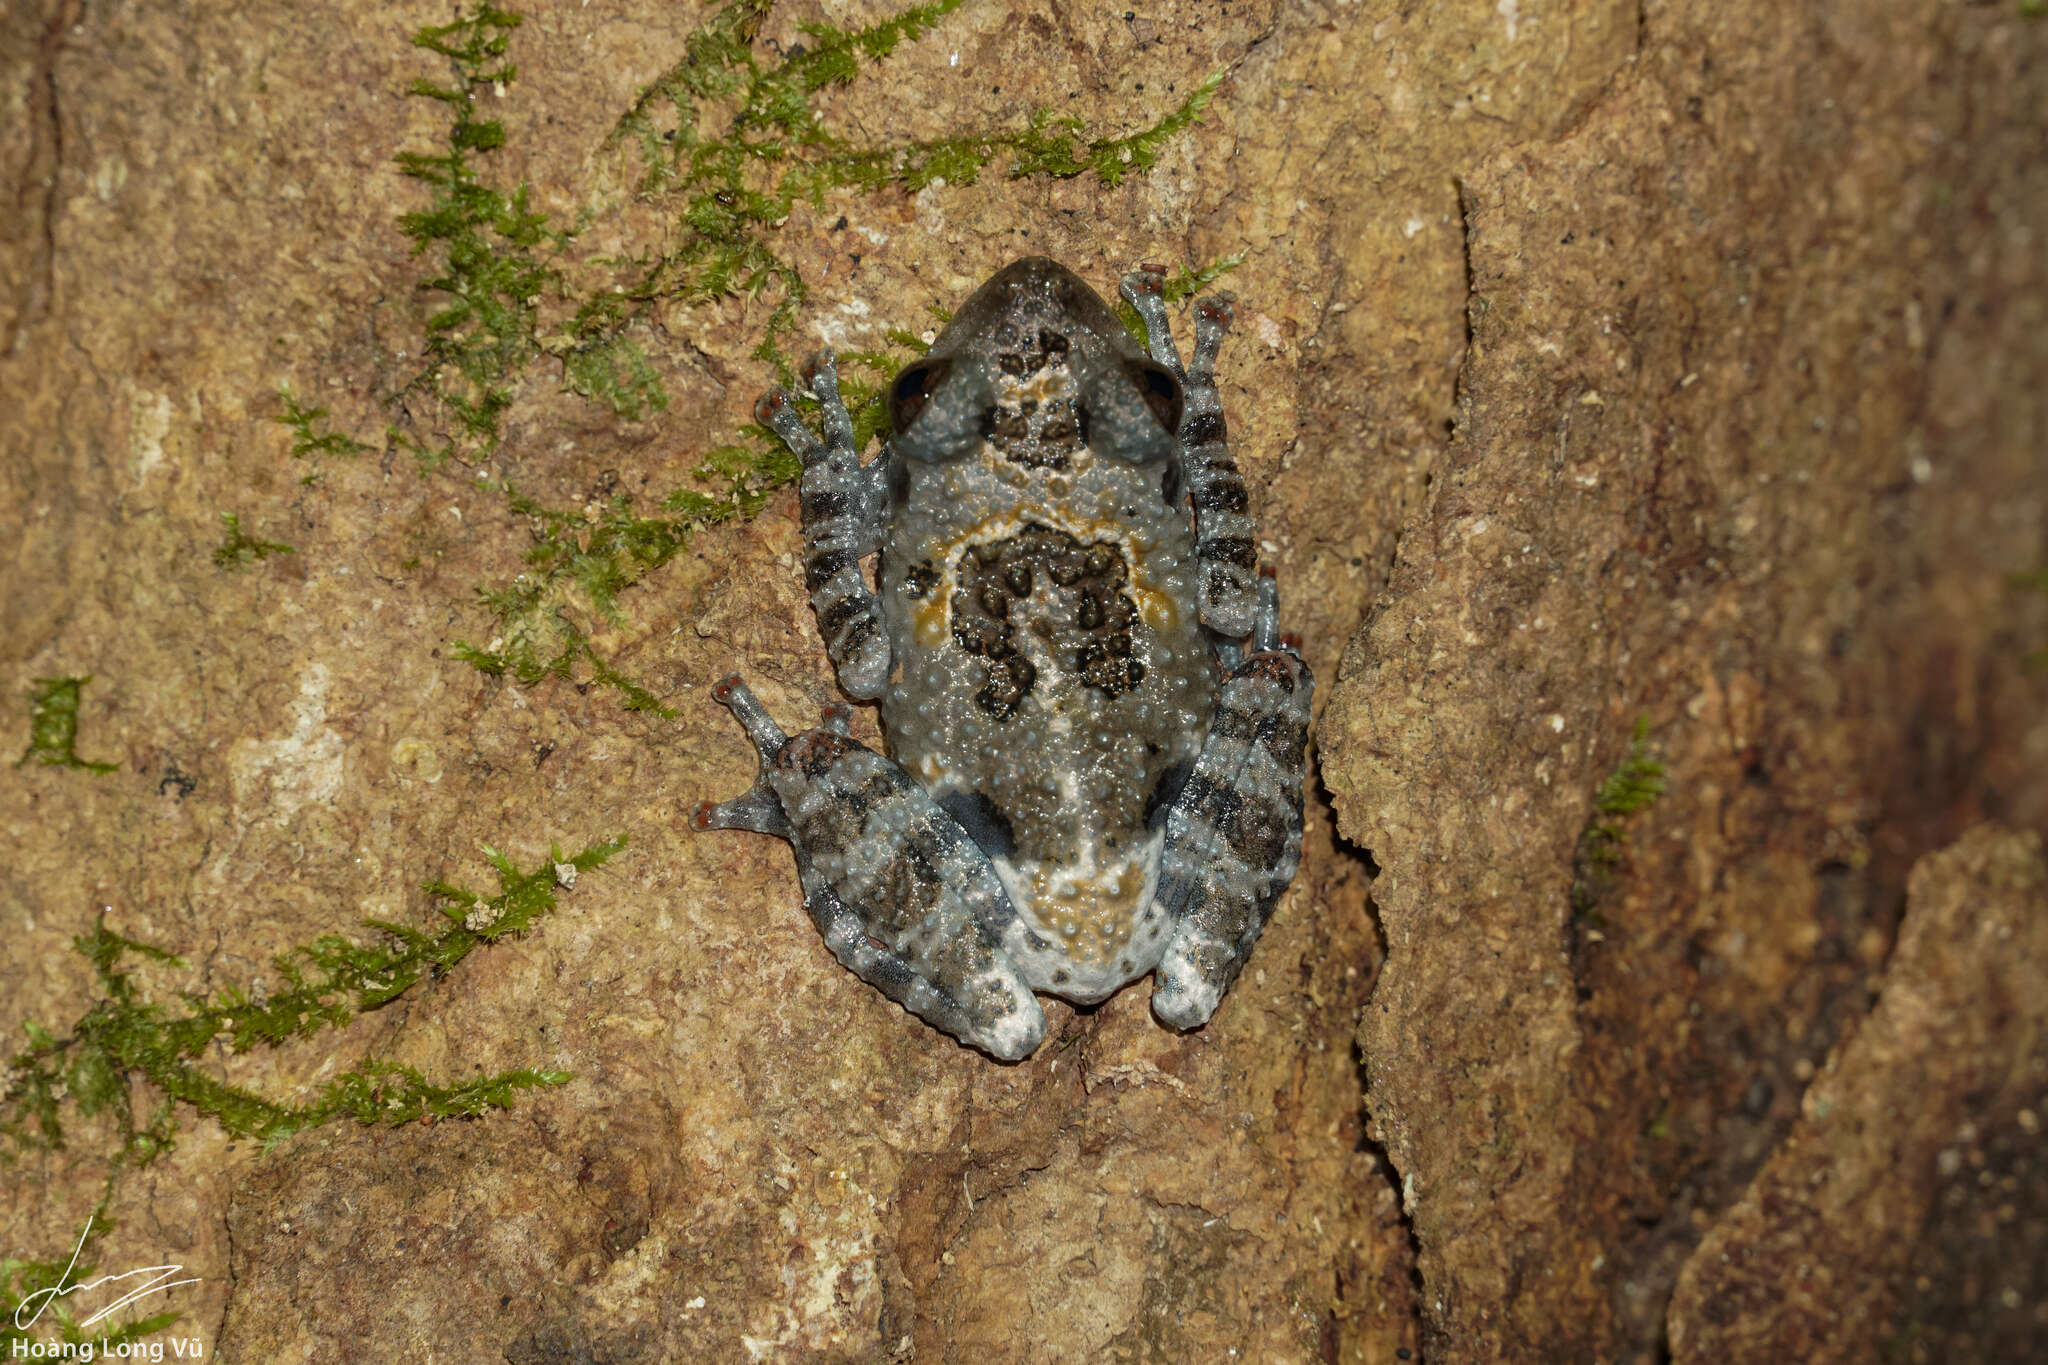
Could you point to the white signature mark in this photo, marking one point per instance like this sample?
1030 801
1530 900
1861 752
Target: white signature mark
43 1298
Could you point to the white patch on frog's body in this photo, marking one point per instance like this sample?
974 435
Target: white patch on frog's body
1103 941
1063 549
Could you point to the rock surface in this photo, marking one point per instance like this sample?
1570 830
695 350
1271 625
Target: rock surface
1836 1250
1594 361
1747 450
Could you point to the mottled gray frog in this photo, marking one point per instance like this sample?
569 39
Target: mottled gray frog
1096 733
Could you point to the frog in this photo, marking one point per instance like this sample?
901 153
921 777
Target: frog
1095 733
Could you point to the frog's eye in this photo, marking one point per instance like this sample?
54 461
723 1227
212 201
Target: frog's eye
913 389
1160 390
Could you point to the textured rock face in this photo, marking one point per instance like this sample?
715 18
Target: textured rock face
1722 463
1594 362
1860 1233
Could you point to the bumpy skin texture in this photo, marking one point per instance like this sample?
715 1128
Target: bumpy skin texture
1092 777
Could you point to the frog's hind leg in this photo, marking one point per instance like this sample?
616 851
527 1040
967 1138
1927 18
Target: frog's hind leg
903 897
1225 541
1233 834
842 507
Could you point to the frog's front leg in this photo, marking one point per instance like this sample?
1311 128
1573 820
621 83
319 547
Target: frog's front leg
842 514
1224 541
902 895
1233 834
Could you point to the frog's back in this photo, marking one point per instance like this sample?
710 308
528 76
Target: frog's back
1038 583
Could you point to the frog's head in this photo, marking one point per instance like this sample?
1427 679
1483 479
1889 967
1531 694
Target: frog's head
1036 363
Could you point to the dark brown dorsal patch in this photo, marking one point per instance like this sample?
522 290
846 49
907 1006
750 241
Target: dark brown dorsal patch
1072 596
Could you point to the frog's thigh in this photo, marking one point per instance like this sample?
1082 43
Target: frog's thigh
902 895
1233 835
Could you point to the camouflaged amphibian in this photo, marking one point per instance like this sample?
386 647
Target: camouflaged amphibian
1095 733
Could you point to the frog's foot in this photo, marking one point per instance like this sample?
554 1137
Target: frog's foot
1233 834
902 895
1225 539
842 515
758 808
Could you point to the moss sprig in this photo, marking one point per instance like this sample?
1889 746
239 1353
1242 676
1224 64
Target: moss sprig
53 726
1634 785
239 549
124 1036
1057 146
579 563
732 190
494 250
309 440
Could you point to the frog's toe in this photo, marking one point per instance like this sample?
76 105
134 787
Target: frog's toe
756 809
1016 1035
1185 1000
737 698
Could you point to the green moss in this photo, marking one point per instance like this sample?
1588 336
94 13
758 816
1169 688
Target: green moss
730 192
1633 786
1050 146
308 440
53 726
1637 782
122 1036
238 549
616 372
580 561
493 250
